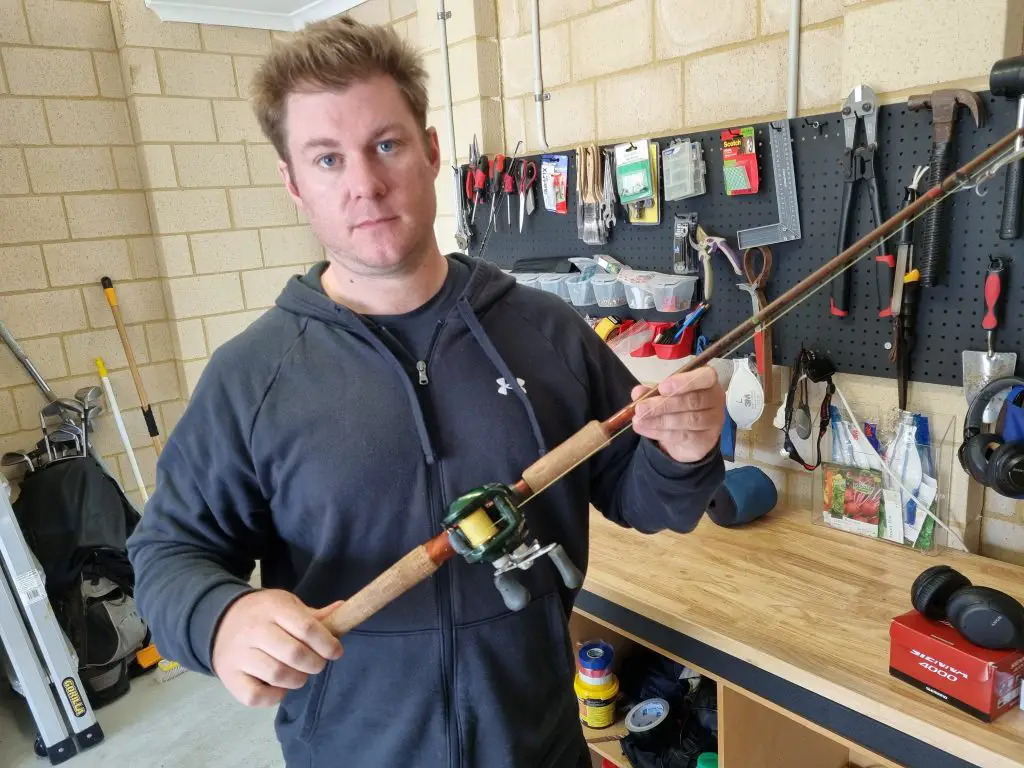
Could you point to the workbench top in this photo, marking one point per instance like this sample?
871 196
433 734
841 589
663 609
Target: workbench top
805 603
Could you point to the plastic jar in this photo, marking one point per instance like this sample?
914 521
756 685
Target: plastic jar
581 290
608 291
672 293
554 283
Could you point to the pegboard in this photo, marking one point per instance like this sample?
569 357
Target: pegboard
950 314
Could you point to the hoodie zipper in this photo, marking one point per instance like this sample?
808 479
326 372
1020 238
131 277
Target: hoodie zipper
444 596
421 365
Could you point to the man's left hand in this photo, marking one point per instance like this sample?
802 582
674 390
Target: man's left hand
685 418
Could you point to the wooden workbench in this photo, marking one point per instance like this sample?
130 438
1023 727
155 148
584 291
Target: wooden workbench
792 620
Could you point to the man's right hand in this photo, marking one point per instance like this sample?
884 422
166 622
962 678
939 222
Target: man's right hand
269 642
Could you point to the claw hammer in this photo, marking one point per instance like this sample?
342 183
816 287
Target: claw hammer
1007 80
944 105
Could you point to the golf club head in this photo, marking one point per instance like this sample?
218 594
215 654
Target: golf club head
89 396
70 406
51 412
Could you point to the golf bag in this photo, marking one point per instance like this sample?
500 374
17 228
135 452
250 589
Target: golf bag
77 521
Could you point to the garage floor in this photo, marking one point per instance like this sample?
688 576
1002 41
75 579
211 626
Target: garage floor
190 720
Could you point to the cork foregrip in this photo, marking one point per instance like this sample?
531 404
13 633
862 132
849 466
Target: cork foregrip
588 440
395 581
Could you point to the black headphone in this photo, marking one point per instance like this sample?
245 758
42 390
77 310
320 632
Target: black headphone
984 616
992 462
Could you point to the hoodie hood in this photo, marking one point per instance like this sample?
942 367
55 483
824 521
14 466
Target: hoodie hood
487 285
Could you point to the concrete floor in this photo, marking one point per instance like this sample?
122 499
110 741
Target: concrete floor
190 720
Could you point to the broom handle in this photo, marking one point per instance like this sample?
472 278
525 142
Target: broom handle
147 409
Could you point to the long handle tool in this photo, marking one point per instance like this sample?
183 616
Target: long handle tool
147 409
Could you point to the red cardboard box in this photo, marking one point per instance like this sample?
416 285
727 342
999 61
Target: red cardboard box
933 656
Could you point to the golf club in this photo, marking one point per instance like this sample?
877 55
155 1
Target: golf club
17 457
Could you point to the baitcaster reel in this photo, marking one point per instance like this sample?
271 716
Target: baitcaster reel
485 525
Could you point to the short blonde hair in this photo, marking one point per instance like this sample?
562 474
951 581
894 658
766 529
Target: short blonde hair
334 54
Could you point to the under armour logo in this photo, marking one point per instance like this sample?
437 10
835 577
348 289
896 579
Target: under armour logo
503 388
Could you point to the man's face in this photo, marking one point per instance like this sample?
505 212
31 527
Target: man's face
363 173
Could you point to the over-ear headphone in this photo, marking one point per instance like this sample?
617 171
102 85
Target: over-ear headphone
984 616
990 460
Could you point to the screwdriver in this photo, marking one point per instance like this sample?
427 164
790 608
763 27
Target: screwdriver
510 190
497 169
479 173
994 295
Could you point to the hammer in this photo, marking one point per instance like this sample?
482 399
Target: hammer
1007 80
944 106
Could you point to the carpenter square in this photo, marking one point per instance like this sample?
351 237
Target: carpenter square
784 174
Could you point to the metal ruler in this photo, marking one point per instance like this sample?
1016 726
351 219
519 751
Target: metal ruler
784 173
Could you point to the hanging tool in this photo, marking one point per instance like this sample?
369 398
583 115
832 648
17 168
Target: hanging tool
784 176
762 336
147 409
709 245
685 256
483 515
497 174
527 178
509 183
982 368
476 183
905 295
944 106
860 164
1007 80
905 248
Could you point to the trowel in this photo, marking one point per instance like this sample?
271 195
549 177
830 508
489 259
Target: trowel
982 368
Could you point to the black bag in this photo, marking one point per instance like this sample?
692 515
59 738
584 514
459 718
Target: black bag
77 521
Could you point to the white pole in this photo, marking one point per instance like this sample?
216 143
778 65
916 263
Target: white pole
538 81
112 403
794 57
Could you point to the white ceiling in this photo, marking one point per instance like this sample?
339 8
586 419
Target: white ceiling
287 15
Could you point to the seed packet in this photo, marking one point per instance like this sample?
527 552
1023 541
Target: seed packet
852 499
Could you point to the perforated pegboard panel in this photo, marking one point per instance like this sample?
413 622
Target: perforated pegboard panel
950 315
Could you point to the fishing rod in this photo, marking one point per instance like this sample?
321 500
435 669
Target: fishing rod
488 525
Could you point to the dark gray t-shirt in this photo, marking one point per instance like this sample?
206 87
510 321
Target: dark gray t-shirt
414 330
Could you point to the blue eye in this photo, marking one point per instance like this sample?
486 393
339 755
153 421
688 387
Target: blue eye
387 147
327 161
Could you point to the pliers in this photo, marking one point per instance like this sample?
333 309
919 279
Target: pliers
860 164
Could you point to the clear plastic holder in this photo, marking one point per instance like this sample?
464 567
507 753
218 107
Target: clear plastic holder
608 291
581 290
850 491
672 293
554 283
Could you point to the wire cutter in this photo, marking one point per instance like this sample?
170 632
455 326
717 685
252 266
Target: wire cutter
860 164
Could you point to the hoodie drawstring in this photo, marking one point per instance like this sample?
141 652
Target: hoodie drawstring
478 332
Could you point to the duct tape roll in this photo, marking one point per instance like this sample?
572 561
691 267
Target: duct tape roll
596 655
649 725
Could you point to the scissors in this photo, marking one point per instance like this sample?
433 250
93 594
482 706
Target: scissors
527 177
755 287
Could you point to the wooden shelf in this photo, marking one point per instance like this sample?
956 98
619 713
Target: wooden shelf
605 742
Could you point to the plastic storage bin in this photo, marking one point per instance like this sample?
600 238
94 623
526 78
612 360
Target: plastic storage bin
608 291
672 293
581 290
527 278
637 298
851 493
553 283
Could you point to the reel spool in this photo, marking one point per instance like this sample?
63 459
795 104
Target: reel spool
486 525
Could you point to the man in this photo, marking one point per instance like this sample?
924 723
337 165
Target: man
327 440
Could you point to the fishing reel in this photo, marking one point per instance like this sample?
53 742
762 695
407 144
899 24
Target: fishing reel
485 525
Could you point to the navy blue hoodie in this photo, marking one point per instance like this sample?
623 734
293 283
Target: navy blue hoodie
309 446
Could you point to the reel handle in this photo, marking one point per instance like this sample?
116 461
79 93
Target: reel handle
515 595
571 575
